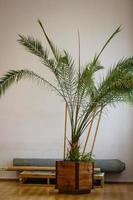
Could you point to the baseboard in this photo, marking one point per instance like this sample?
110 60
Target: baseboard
8 179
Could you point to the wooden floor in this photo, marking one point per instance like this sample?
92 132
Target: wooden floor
12 190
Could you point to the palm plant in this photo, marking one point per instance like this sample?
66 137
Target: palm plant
84 99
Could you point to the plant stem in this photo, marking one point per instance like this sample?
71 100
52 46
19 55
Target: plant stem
78 105
110 38
65 128
89 131
95 135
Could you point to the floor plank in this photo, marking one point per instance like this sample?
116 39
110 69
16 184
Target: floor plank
12 190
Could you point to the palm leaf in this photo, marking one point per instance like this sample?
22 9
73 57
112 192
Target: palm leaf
117 84
108 41
34 46
54 49
14 76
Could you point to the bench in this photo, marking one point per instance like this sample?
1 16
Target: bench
48 175
29 168
39 167
99 179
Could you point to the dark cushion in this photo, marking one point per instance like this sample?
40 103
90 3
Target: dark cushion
110 165
34 162
106 165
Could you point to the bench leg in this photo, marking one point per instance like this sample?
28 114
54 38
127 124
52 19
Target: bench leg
21 180
48 181
102 182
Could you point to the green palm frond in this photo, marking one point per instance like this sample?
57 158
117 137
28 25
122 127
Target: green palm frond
63 67
63 70
122 68
34 46
87 85
54 49
16 75
67 74
117 84
86 89
94 66
108 41
67 77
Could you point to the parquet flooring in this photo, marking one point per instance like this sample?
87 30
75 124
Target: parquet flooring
12 190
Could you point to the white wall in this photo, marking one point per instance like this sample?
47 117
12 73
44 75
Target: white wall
31 118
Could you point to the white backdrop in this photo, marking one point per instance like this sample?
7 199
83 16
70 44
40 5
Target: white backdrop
31 118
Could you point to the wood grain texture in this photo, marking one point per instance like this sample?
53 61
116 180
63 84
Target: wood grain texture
65 175
85 175
29 168
74 177
12 190
36 175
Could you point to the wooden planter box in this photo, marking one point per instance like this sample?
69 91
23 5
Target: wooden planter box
74 177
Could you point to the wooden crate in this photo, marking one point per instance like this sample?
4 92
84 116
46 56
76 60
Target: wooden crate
74 177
